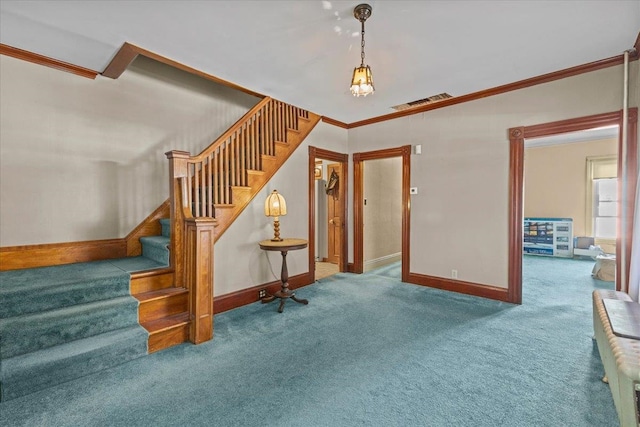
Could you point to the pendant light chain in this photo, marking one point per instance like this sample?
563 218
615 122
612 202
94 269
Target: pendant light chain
362 45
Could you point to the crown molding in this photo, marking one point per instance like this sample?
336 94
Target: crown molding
521 84
334 122
46 61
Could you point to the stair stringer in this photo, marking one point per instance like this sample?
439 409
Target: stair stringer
242 196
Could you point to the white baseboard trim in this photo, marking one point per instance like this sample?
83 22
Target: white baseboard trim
382 261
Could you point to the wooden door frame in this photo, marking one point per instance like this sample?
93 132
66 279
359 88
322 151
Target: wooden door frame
358 203
517 135
343 159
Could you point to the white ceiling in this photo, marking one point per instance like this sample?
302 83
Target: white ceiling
303 52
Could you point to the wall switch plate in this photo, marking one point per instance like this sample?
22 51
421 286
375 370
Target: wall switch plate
413 190
419 149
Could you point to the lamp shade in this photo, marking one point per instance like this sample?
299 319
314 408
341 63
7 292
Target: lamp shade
275 205
362 81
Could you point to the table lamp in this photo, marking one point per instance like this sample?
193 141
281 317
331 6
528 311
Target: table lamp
275 206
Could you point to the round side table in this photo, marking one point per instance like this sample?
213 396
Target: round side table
283 246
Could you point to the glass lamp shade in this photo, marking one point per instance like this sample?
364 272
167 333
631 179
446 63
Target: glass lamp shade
362 81
275 205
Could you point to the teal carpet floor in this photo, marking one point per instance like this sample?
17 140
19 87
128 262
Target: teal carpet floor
368 350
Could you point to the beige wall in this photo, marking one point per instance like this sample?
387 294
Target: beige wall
84 159
555 180
382 214
459 217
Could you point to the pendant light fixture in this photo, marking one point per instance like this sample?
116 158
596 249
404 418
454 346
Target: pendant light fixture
362 80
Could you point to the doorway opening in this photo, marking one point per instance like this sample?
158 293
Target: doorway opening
328 173
627 169
570 209
360 211
382 214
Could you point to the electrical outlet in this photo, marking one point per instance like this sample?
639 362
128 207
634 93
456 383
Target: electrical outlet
262 293
454 274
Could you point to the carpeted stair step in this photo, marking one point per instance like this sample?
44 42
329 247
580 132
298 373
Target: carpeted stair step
47 288
156 248
32 332
165 223
31 372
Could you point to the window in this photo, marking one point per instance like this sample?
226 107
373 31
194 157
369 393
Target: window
605 207
602 197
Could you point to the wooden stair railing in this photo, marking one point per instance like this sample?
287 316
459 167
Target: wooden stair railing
208 191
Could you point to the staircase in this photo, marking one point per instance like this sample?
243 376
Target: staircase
63 322
210 190
224 178
219 182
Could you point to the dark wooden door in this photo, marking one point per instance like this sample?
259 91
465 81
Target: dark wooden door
336 222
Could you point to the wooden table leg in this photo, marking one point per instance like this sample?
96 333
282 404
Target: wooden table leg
284 291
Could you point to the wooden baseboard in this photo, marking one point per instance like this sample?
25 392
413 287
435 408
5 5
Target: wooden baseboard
462 287
31 256
44 255
237 299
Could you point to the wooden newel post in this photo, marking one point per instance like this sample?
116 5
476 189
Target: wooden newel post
198 251
191 253
177 173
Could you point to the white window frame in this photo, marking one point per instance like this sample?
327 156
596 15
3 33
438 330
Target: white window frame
598 167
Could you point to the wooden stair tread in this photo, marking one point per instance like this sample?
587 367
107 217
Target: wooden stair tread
169 322
149 273
159 294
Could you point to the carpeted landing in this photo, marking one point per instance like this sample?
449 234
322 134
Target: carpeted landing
63 322
367 350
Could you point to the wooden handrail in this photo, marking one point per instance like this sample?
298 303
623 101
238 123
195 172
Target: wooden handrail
224 165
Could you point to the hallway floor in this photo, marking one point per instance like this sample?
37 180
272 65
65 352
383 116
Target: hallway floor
325 269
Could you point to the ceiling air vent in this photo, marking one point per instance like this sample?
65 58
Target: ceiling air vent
419 102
